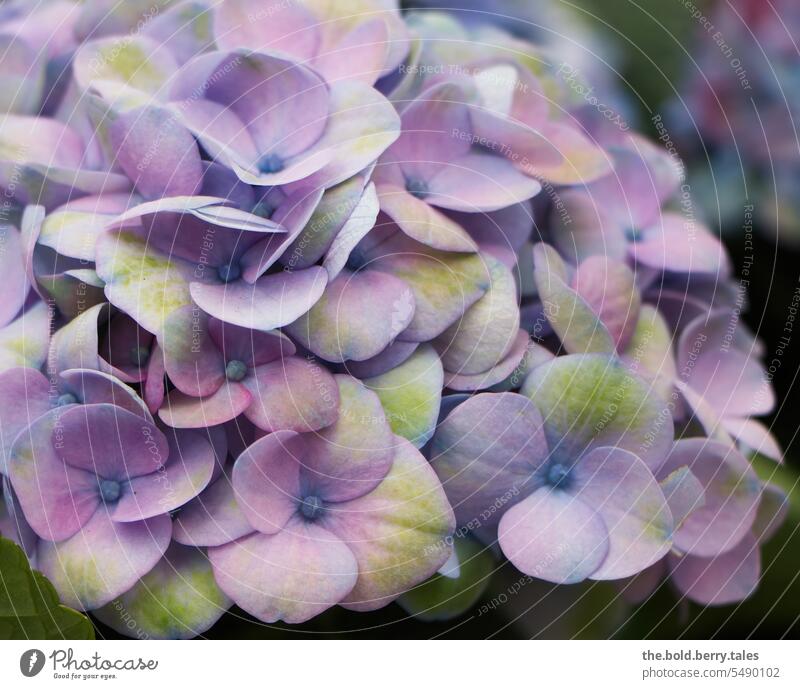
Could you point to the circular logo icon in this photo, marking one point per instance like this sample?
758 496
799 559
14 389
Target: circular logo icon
31 662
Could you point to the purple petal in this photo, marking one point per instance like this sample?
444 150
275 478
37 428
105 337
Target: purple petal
684 494
773 509
57 499
183 476
289 28
394 355
582 227
31 391
292 394
623 491
350 457
676 244
423 222
554 536
362 125
157 153
733 382
213 518
339 327
294 213
755 436
609 288
480 182
96 387
579 328
15 278
360 222
722 580
487 451
426 142
732 493
398 532
192 358
272 302
182 411
109 441
104 559
292 575
266 480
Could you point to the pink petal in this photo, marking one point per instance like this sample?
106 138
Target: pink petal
554 536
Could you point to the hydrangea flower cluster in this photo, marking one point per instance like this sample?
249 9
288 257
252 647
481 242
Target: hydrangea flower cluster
297 293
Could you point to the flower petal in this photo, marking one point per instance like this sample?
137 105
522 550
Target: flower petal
722 580
339 327
487 331
20 384
478 182
157 153
732 493
422 222
624 492
410 395
350 457
140 280
398 532
444 285
292 575
214 517
177 599
104 559
579 328
56 498
486 452
185 473
182 411
266 480
554 536
591 400
292 394
273 301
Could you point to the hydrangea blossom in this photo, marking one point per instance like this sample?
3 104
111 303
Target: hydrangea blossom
295 300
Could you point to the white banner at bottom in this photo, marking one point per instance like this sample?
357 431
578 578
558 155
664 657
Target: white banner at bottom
330 664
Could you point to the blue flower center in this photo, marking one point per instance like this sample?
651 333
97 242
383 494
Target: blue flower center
558 475
417 187
65 399
271 163
633 235
355 261
263 209
139 356
311 507
109 490
229 272
235 370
